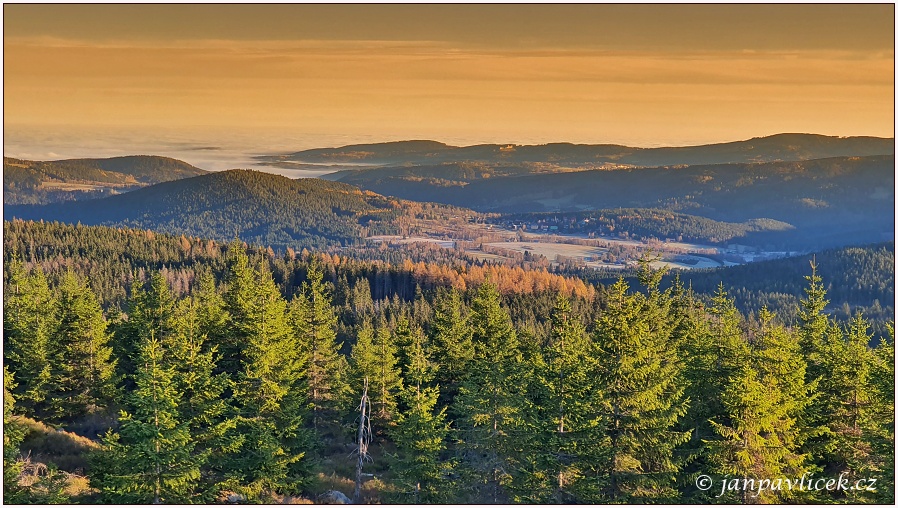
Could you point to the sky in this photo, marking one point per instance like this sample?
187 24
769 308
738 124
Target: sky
215 81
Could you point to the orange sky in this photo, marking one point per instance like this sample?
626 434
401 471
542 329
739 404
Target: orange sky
634 74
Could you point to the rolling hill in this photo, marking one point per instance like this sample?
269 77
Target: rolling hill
35 182
261 208
831 202
779 147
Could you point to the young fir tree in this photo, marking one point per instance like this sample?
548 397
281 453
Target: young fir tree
491 401
374 357
83 369
451 339
27 326
641 404
268 398
563 424
151 459
314 323
763 400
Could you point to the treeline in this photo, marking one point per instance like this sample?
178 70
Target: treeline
234 391
859 279
648 223
114 258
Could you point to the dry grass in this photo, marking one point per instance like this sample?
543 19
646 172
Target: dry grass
286 499
76 486
374 490
44 444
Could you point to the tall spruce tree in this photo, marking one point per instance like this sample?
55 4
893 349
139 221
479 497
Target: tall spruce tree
562 421
374 358
314 323
28 323
268 397
238 299
491 400
849 402
203 405
451 338
150 311
83 368
151 458
642 402
420 438
882 415
762 401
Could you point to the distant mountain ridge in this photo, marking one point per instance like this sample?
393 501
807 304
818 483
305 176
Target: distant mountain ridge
35 182
261 208
778 147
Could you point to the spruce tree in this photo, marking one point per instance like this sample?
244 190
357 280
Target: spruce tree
238 299
314 323
419 369
203 405
150 312
268 397
374 358
563 425
28 323
83 369
849 400
151 458
641 404
882 415
491 402
763 400
13 435
713 350
420 437
451 339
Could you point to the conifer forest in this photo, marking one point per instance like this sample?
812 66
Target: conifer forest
181 370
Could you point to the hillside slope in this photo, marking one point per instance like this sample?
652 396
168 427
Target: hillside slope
260 207
33 182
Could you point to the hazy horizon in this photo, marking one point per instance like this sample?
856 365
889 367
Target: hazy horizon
270 76
234 149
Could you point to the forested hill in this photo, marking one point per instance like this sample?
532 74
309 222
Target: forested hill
779 147
261 208
831 202
857 279
30 182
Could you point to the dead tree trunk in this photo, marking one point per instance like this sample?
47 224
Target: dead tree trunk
363 440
